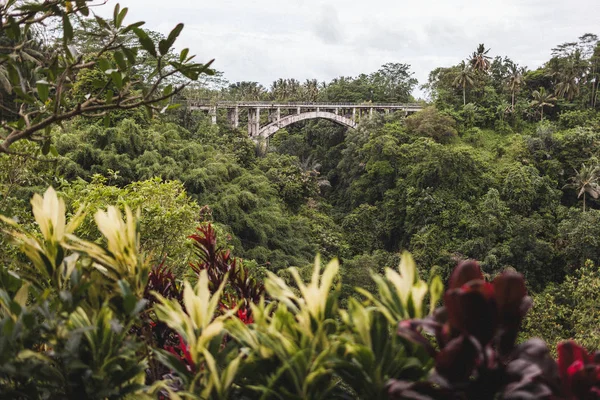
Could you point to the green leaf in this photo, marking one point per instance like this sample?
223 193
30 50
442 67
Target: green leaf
13 74
121 17
14 30
206 68
85 11
120 59
183 55
145 41
43 90
170 361
46 147
436 290
67 29
166 44
117 79
116 12
104 64
15 308
133 26
102 23
53 150
109 97
131 55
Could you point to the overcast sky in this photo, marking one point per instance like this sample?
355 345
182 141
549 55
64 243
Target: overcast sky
262 40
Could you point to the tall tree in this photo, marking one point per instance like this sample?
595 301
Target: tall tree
573 71
479 60
310 90
515 81
251 91
464 78
542 99
586 181
594 77
285 90
393 82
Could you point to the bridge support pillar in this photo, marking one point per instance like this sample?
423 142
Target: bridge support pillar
253 121
299 111
233 116
371 112
354 114
278 114
213 115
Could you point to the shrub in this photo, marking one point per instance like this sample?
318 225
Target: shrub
476 332
575 118
169 214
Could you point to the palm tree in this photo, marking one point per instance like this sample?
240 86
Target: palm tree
568 73
294 89
515 80
310 90
480 61
586 181
463 79
249 90
568 86
570 79
541 98
285 89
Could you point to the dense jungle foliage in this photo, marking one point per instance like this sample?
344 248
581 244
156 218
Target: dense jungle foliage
174 258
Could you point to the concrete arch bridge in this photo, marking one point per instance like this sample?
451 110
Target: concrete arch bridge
277 115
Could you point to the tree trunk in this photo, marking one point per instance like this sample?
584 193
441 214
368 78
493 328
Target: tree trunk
542 117
513 100
583 201
464 95
593 88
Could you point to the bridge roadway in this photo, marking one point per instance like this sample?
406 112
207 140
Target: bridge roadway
282 114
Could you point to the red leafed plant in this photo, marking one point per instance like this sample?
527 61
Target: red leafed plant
242 289
162 280
476 332
182 352
579 372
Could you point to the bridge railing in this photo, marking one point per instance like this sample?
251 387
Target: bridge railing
292 104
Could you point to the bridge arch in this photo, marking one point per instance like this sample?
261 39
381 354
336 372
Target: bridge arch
270 129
